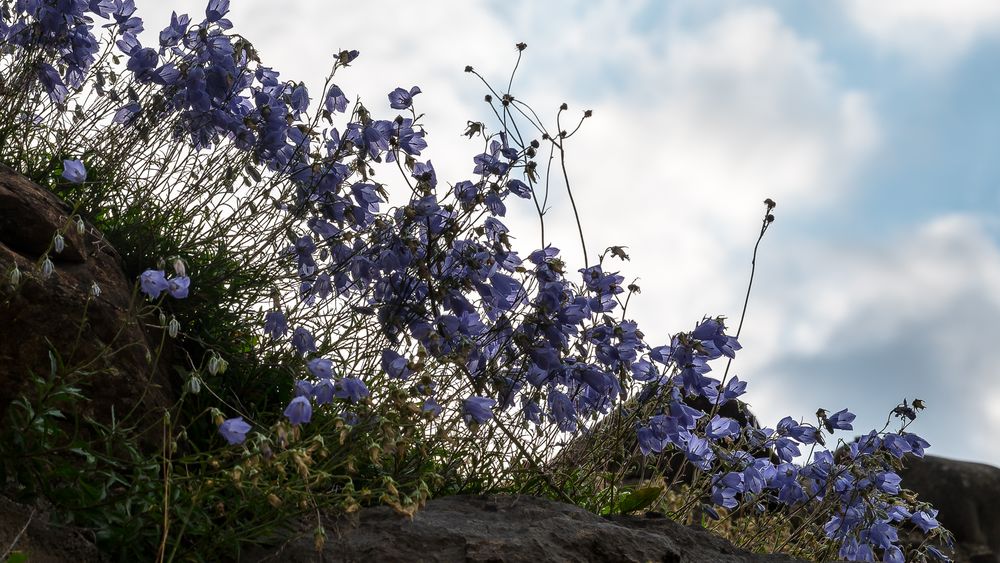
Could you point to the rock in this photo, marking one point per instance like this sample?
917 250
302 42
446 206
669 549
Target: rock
505 529
111 343
967 496
28 530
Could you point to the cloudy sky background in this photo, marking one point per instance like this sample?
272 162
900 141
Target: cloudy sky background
874 125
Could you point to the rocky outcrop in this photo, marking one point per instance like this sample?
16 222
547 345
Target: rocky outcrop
101 335
27 529
505 529
967 496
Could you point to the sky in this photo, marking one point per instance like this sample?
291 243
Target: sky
875 126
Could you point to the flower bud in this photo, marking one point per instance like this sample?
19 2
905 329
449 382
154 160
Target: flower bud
81 227
47 267
213 365
273 500
58 243
174 327
15 276
179 267
194 384
163 319
95 290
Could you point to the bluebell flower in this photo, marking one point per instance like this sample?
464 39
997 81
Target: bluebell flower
897 445
173 33
321 367
917 444
127 114
699 452
303 341
394 364
840 420
893 554
925 519
786 449
887 482
216 10
323 392
402 99
721 427
335 100
275 324
882 534
74 171
299 411
478 409
431 406
153 283
351 388
234 430
52 83
519 188
303 388
178 287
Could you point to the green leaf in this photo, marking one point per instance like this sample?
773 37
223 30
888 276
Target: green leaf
638 499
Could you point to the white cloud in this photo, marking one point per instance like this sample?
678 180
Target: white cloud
863 325
930 32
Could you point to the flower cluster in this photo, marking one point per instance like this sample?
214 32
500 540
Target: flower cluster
455 316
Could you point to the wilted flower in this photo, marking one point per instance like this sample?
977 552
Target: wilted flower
234 430
74 171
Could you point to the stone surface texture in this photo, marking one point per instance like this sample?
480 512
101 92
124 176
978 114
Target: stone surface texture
505 529
101 336
967 495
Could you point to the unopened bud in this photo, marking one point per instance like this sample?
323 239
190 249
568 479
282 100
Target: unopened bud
194 384
58 243
174 327
163 319
213 365
15 276
95 290
81 227
179 267
47 268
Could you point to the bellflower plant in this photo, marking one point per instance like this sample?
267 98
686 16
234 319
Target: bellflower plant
475 363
